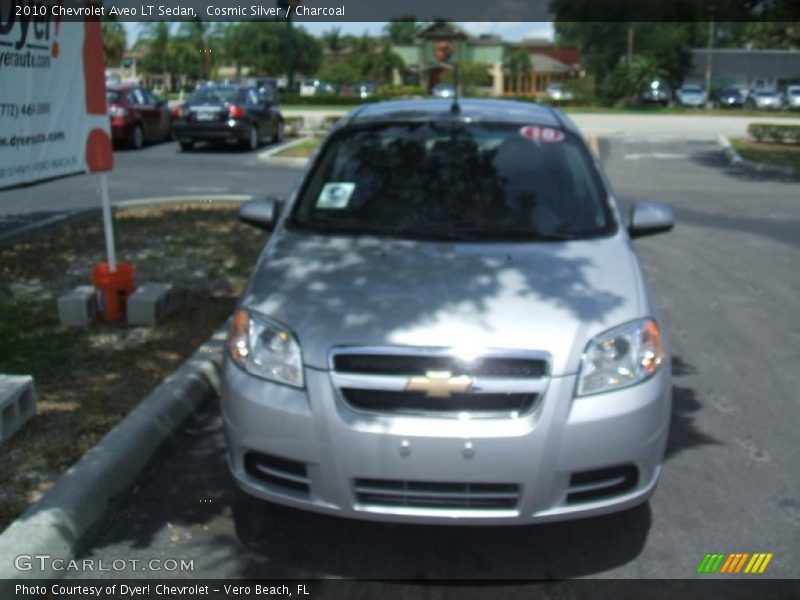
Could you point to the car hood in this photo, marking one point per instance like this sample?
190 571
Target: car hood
551 296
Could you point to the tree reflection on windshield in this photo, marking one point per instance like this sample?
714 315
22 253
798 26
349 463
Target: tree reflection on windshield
457 181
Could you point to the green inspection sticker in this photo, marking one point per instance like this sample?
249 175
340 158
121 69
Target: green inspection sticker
335 195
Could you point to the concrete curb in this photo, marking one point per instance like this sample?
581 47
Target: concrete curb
199 198
23 234
735 160
57 522
269 156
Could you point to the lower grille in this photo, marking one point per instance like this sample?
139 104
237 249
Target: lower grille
278 472
393 401
601 483
421 494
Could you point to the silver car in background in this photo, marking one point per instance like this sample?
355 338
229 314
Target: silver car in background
691 95
793 97
766 99
449 324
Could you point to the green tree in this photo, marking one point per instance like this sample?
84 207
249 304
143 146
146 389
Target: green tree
338 72
759 35
383 63
160 51
604 47
192 50
629 77
262 45
518 62
237 45
403 30
114 42
332 39
471 75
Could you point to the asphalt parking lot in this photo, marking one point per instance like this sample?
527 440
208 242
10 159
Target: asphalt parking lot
158 170
727 282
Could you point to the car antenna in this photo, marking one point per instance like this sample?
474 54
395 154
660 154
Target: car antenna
455 108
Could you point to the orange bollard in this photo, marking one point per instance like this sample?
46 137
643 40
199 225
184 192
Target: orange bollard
113 289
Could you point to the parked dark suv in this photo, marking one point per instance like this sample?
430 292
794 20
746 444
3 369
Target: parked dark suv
240 114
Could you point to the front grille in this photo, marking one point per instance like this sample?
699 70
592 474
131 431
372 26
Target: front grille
390 401
400 364
598 484
424 494
436 382
278 472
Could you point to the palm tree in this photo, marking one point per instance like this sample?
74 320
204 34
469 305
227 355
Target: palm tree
519 63
158 39
114 42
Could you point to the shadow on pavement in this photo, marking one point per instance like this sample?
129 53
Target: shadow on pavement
715 159
683 434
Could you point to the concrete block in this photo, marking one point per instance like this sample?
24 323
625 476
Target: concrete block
17 403
152 303
78 308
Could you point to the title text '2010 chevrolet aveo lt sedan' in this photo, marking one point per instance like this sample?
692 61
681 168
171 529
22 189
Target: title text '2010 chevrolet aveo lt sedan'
449 325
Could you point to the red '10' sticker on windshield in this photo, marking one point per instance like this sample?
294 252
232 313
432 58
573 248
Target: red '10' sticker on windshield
537 133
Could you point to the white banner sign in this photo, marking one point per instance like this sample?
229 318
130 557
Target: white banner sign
46 97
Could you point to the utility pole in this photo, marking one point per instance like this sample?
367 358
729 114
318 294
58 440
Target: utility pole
708 54
630 43
288 5
289 56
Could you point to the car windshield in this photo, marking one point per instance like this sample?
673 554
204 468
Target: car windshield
692 90
765 94
113 96
794 92
216 95
455 181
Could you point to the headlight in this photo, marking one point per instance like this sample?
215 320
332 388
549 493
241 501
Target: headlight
265 349
621 357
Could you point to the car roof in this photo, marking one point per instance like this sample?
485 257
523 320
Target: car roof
470 110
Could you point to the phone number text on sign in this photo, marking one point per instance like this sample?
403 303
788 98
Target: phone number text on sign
15 111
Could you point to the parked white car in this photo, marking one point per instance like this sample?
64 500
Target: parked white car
766 99
556 93
793 97
691 95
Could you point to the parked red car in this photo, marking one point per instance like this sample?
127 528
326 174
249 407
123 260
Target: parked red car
137 116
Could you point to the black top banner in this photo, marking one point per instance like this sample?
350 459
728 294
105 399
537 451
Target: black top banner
300 11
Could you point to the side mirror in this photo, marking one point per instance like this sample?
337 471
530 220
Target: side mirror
260 212
648 218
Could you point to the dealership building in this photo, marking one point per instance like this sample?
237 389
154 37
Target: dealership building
549 63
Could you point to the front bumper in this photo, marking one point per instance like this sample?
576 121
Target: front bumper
232 130
329 447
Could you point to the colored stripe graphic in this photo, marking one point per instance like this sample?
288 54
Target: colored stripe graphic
734 563
758 563
710 563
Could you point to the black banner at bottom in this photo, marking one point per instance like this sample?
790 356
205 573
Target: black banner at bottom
335 589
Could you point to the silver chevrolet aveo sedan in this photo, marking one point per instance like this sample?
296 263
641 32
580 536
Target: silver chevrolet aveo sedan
449 324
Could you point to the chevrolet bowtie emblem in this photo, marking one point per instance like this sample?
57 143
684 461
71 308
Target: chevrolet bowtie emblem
439 384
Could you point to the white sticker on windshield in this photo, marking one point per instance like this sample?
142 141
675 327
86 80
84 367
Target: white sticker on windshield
336 195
